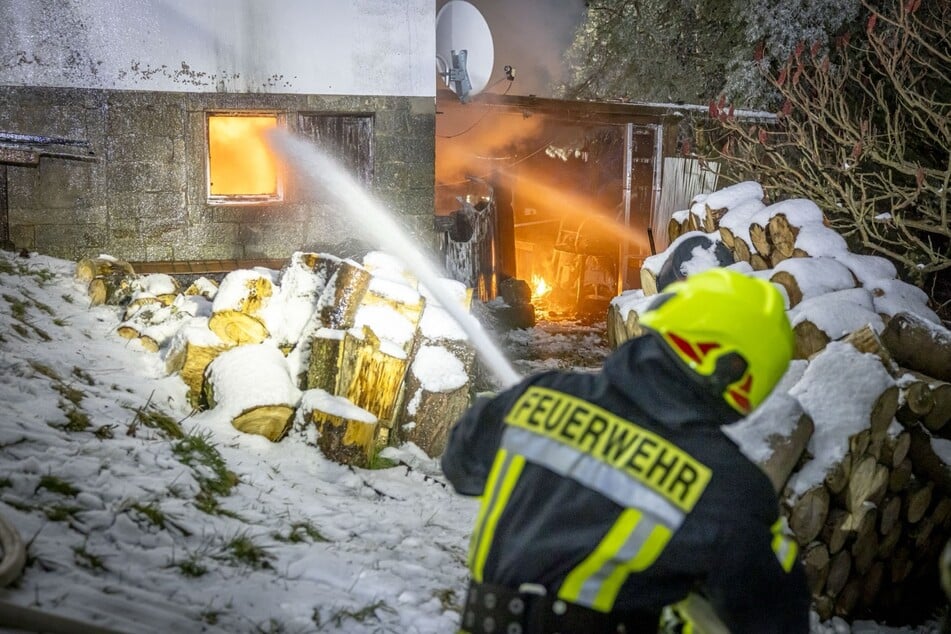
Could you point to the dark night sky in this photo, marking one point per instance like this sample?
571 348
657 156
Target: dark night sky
531 36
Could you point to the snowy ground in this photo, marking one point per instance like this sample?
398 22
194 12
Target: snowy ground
140 516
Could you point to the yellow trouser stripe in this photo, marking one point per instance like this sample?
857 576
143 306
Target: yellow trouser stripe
786 549
633 544
505 473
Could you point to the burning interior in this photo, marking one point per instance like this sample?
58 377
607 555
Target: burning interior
241 167
563 195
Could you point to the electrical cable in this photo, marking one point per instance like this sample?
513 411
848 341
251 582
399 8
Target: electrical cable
544 146
484 114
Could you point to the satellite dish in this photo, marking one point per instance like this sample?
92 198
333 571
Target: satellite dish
464 49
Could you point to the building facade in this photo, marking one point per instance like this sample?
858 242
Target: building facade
171 98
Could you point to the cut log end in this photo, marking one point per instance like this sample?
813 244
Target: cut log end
237 328
270 421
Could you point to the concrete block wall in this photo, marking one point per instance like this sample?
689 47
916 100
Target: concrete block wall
145 199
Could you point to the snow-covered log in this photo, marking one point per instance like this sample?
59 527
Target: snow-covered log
817 240
818 320
774 436
437 393
324 359
236 311
623 320
392 310
786 219
253 384
88 269
291 309
342 295
805 278
437 385
153 326
371 373
150 290
919 344
345 433
110 289
189 352
203 286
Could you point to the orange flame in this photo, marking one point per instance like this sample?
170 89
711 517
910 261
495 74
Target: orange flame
240 161
540 287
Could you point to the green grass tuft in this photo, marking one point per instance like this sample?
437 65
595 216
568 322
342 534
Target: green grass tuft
300 532
45 370
362 615
17 306
55 484
376 461
213 476
242 550
152 513
77 420
59 513
192 567
86 559
160 421
196 451
71 394
83 376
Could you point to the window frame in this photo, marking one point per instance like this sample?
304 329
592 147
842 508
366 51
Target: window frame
305 127
243 199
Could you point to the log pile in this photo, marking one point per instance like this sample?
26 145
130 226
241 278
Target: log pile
104 277
339 352
860 458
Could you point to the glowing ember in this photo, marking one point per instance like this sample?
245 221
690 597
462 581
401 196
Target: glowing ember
540 287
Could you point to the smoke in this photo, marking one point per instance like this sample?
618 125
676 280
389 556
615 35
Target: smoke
478 141
532 37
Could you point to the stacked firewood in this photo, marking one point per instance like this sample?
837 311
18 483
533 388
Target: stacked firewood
857 436
338 351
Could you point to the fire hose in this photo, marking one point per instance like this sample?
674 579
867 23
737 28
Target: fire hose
23 618
14 553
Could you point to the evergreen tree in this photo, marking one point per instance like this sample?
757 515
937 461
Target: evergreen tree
693 50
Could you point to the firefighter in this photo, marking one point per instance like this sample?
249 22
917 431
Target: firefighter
606 497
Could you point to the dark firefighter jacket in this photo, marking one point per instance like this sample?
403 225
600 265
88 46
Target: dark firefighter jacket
618 491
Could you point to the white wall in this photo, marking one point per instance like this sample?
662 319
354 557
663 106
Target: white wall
347 47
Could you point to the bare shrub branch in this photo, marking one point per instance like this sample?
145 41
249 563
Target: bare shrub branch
864 131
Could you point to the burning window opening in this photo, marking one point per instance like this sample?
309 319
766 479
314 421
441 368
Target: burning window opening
241 167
